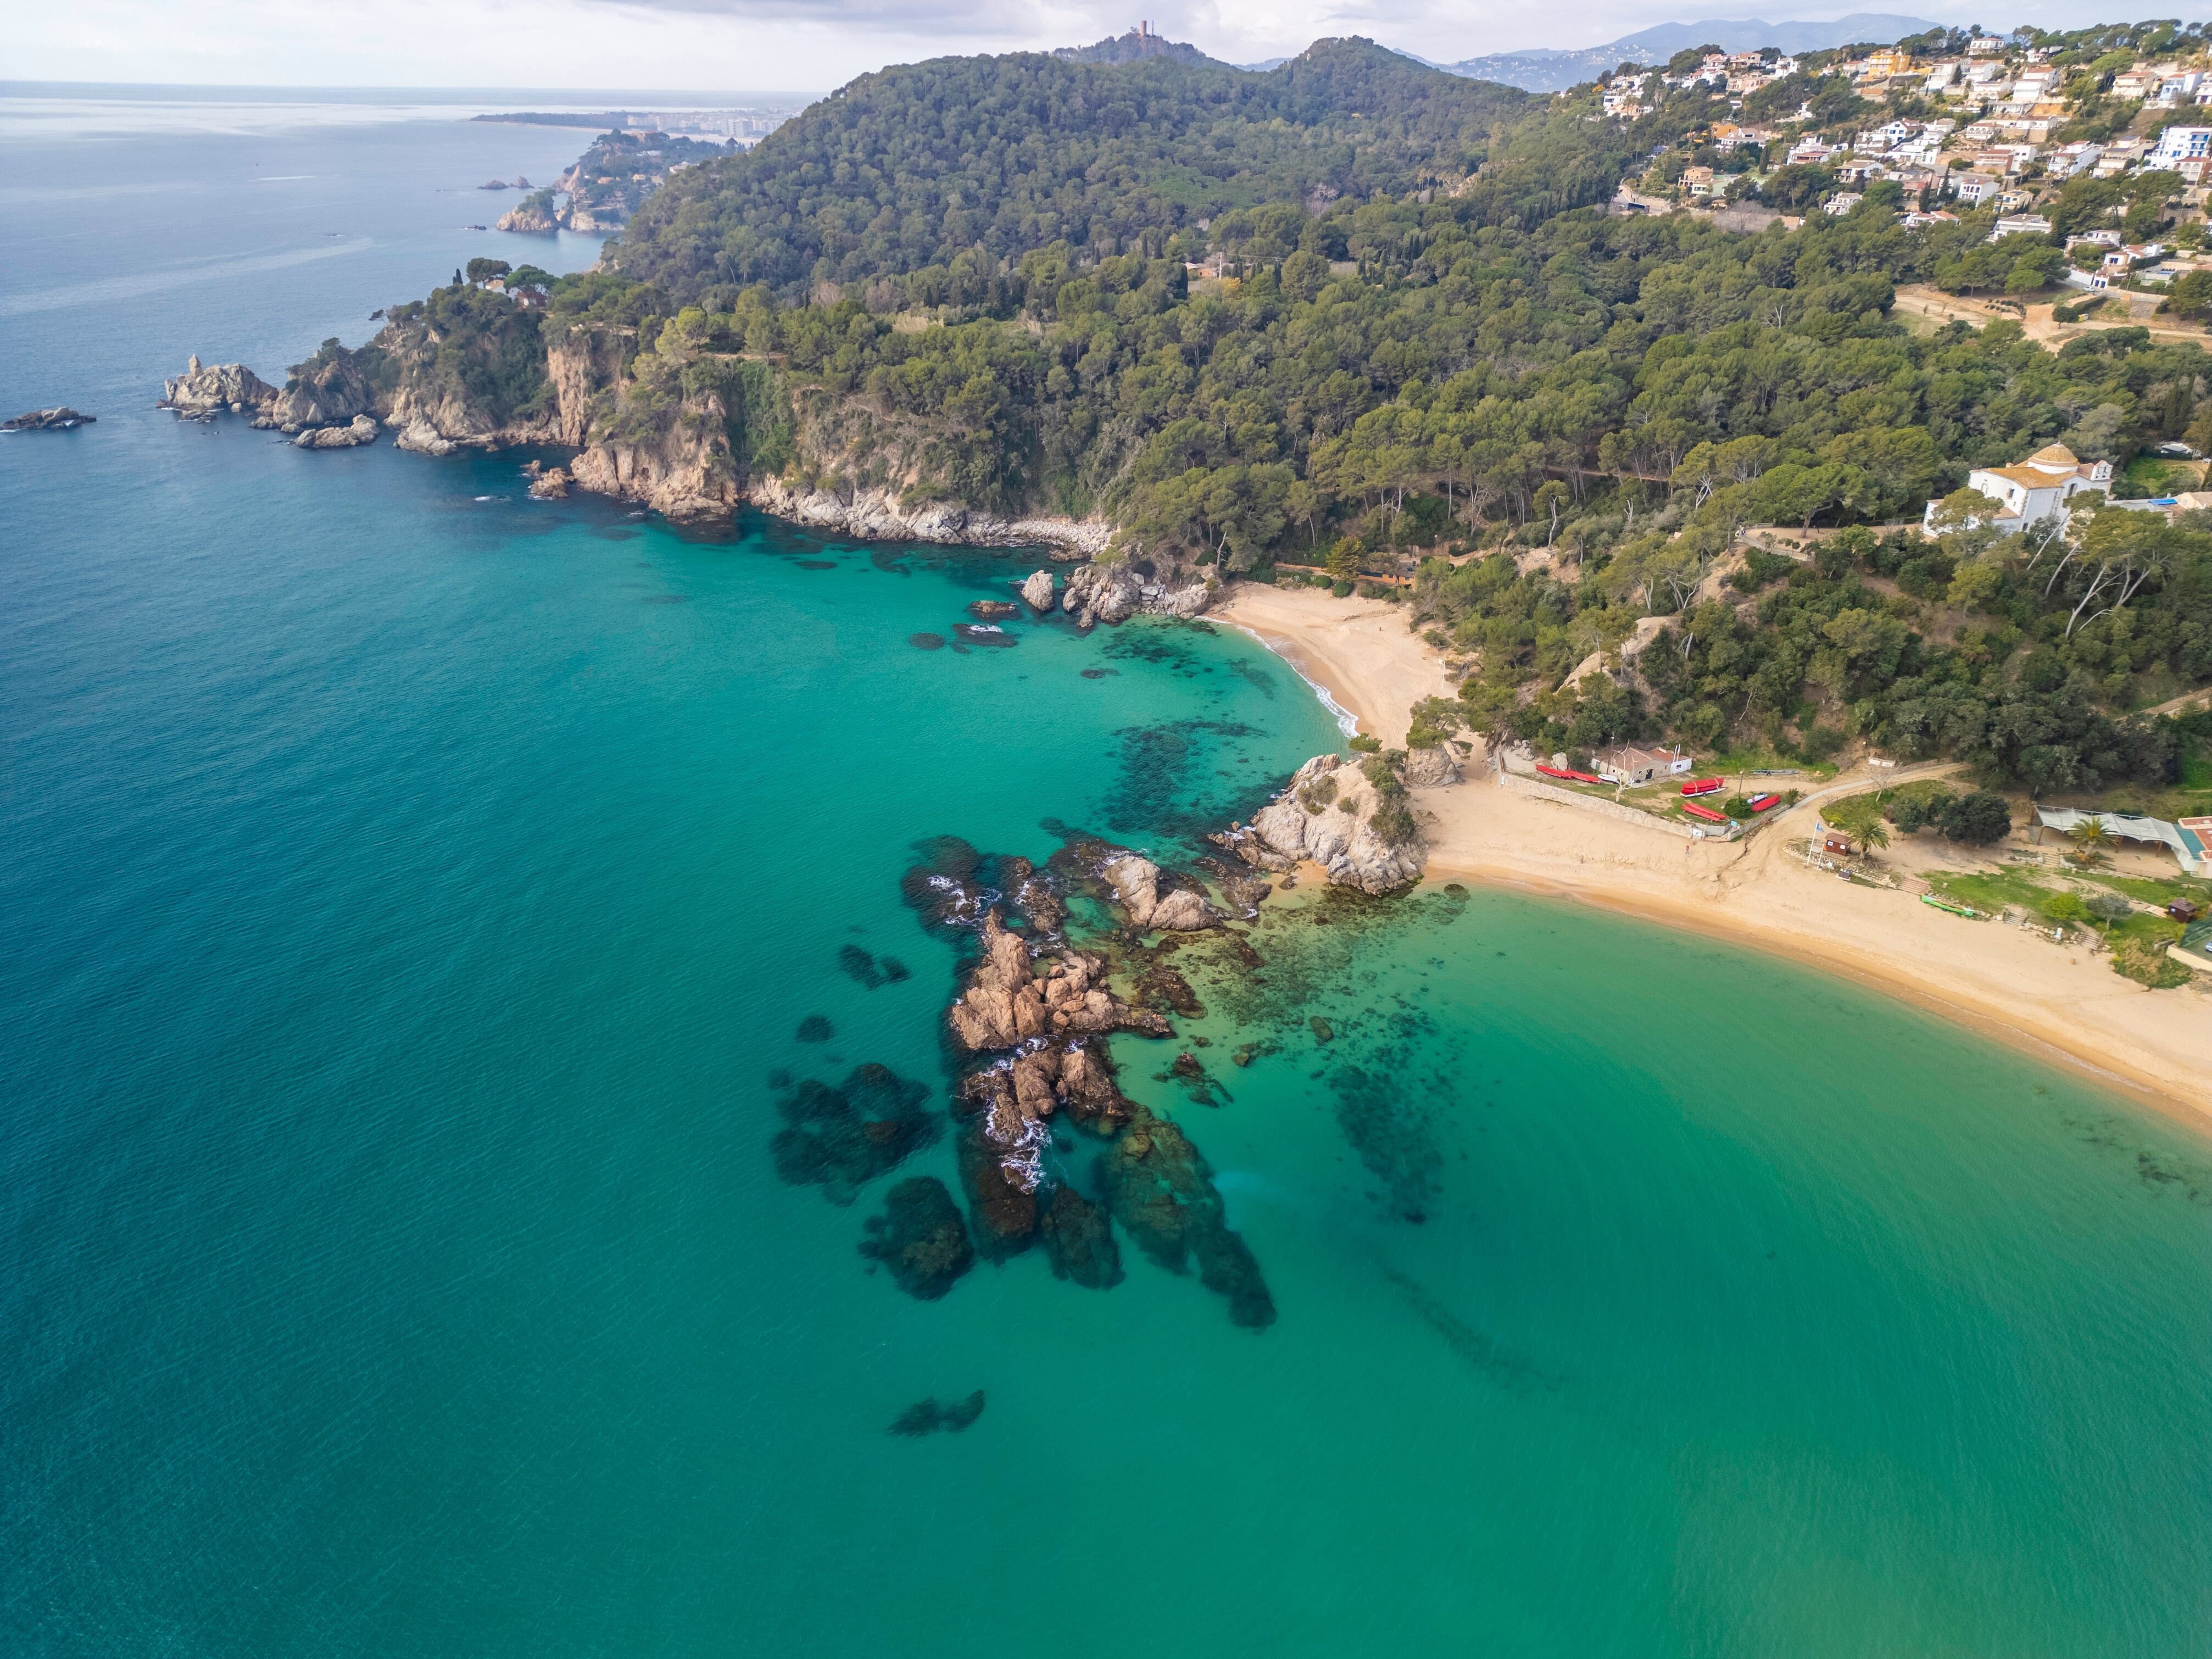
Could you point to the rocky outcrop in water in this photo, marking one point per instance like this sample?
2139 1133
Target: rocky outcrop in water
362 429
550 485
59 419
1010 998
221 386
535 215
1138 886
1350 819
421 438
1037 591
1114 592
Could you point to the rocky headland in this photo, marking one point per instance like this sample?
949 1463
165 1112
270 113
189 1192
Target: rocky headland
689 432
1350 817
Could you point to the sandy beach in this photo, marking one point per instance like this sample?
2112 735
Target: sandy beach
2061 1003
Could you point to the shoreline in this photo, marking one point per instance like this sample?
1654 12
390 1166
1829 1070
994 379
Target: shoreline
2058 1005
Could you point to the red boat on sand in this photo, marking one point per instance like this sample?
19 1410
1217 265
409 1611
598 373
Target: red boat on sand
1562 772
1761 803
1703 786
1704 812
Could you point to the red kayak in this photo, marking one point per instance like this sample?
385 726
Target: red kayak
1703 786
1704 812
1761 803
1562 772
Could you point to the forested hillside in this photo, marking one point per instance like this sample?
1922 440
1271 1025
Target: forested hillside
1355 312
965 161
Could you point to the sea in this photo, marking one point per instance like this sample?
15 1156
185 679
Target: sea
421 906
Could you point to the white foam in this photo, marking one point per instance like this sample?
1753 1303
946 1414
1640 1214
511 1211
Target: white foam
1346 721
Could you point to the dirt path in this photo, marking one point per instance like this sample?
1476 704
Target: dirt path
2039 325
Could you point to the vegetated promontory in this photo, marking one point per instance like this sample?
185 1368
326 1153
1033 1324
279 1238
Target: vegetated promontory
1345 312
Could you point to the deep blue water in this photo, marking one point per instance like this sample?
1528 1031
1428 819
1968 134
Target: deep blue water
410 889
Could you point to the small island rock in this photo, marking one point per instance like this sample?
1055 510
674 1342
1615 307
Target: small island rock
1037 591
203 392
58 419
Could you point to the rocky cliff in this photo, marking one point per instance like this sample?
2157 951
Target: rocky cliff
878 515
668 415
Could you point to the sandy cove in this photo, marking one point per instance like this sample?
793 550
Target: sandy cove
2058 1003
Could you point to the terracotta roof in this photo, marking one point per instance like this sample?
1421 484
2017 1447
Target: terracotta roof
2029 476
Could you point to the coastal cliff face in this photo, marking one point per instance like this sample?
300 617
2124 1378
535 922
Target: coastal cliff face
666 414
878 515
328 390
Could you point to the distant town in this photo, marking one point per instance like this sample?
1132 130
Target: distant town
1953 121
745 127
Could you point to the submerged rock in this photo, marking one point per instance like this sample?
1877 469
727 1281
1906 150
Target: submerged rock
841 1137
927 1417
991 610
1078 1237
58 419
1159 1188
921 1238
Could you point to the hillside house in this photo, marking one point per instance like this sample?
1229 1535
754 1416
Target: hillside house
2041 487
2181 144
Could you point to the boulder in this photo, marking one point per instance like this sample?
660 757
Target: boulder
423 439
1350 819
361 430
1037 591
550 485
1431 769
1103 593
1136 884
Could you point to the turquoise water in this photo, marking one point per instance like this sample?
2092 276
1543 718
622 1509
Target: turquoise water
411 890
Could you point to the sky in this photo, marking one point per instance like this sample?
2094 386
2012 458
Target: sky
795 46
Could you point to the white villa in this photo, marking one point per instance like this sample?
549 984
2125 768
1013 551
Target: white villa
2041 487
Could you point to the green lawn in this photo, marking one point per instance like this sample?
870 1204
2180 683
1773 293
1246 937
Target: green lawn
2154 476
1991 892
2160 891
1857 813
